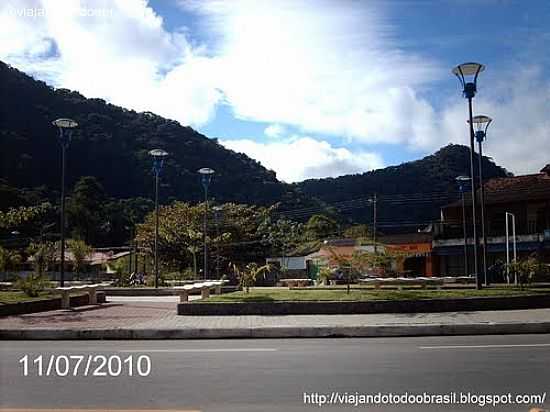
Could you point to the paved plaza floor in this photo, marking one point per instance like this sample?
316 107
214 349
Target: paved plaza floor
160 313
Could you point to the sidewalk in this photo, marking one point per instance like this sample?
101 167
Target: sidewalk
158 320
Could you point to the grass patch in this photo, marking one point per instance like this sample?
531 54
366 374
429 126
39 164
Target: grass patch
18 296
271 295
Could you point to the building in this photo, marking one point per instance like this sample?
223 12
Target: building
526 197
418 250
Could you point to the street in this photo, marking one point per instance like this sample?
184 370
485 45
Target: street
273 375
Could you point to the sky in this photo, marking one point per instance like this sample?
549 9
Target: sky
311 89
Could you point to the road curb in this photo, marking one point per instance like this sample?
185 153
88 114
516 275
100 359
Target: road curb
279 332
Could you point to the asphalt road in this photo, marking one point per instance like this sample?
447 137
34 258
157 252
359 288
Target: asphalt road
272 375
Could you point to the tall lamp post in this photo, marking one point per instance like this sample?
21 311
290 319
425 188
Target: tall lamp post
206 178
467 73
158 156
481 124
463 183
509 215
65 127
217 211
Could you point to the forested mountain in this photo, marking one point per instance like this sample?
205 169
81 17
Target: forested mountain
408 193
111 144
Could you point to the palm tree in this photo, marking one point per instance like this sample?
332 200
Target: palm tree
80 251
248 276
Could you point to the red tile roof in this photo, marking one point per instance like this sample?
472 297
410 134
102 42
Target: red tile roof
512 189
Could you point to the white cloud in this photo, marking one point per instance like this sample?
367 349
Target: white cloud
518 101
302 157
328 67
124 55
274 130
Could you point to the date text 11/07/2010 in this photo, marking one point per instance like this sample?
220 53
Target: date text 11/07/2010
86 365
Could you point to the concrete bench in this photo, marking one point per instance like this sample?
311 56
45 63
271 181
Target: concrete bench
291 283
400 282
5 285
203 287
90 289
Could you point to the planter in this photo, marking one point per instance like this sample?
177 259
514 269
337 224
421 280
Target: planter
364 307
44 305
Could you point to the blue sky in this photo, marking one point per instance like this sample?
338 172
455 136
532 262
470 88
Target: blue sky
308 88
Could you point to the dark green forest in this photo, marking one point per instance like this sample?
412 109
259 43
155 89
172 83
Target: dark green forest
110 182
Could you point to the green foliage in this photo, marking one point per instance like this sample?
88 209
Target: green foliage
9 259
180 234
361 232
528 269
434 173
248 275
14 218
43 254
325 274
85 209
283 235
112 144
33 284
80 251
366 294
121 275
320 227
235 237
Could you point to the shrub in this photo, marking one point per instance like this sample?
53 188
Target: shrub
150 280
247 276
528 270
32 285
325 274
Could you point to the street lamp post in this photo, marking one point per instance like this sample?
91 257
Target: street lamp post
467 74
510 215
481 123
217 211
158 156
65 127
463 182
206 178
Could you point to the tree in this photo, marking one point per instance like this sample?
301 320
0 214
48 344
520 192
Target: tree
43 254
81 252
320 227
234 236
121 217
9 259
361 233
195 238
247 276
85 210
180 235
15 218
283 235
361 261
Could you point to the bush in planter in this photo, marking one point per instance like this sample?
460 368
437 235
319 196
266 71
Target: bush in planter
527 270
247 276
325 274
32 285
150 280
